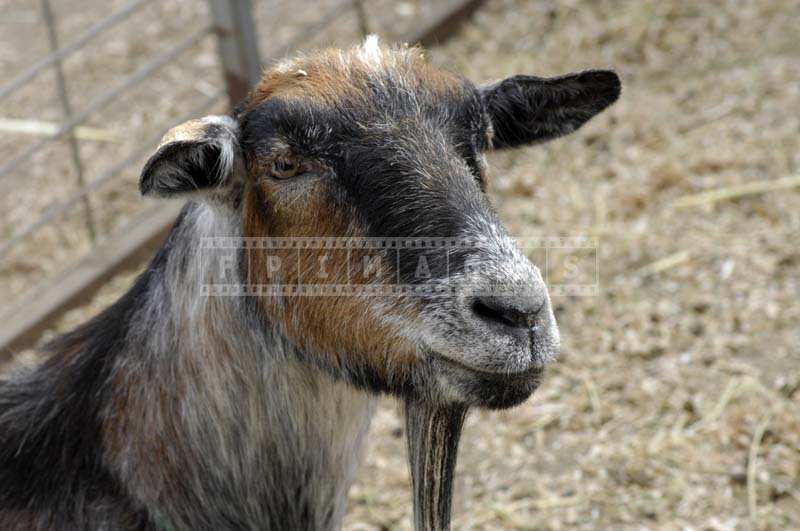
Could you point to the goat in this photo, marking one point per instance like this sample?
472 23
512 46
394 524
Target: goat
176 409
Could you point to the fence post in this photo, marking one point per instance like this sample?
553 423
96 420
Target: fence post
363 19
238 46
66 109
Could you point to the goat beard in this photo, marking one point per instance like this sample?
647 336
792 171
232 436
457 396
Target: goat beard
432 435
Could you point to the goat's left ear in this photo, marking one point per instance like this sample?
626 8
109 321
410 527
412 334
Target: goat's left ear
529 109
197 156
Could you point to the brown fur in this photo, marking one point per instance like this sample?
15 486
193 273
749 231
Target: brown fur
331 75
191 130
338 326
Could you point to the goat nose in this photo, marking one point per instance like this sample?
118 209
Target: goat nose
514 312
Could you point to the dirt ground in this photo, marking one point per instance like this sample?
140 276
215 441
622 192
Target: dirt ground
676 400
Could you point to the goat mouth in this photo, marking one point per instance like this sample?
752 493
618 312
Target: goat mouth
506 376
488 389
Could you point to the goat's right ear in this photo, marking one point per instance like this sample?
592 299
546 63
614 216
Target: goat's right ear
193 157
530 109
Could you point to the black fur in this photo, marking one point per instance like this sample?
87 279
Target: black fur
51 461
53 474
180 167
378 171
528 109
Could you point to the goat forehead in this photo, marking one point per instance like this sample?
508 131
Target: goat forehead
368 82
382 113
369 89
331 73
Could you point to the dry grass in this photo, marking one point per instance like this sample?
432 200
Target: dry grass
676 401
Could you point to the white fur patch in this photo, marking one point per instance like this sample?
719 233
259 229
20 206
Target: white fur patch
227 142
370 52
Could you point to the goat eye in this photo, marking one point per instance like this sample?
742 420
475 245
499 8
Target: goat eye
284 168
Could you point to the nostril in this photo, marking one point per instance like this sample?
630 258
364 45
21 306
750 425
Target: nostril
485 311
501 311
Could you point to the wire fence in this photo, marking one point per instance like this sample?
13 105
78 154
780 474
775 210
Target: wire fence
229 22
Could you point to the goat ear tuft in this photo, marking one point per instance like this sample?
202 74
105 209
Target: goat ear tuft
529 109
195 156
